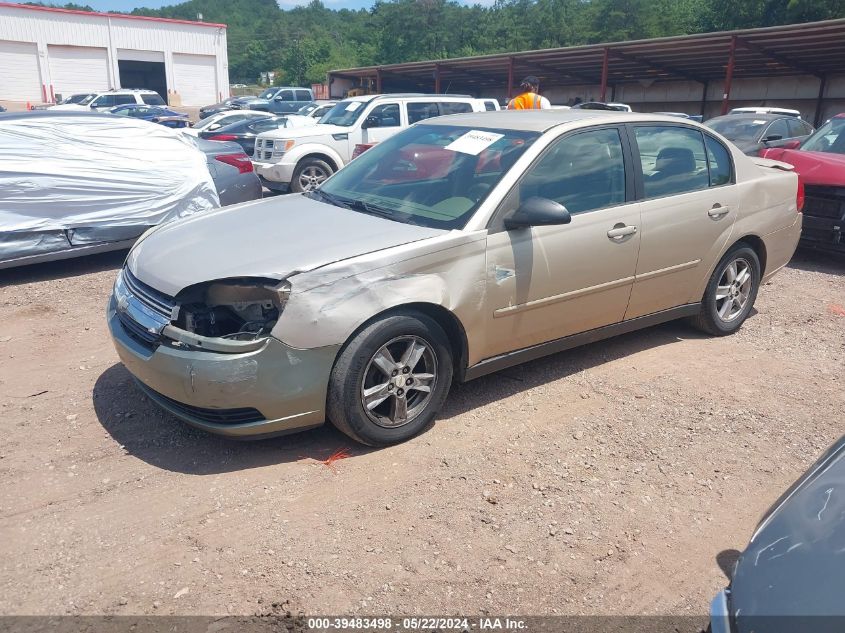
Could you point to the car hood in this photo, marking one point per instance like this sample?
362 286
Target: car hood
815 168
271 238
69 106
318 129
795 563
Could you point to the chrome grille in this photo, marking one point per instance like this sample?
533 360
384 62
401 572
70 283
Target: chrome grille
153 299
263 149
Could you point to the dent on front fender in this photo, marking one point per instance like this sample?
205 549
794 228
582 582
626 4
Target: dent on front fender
327 305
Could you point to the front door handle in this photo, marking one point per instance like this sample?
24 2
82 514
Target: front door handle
718 211
620 231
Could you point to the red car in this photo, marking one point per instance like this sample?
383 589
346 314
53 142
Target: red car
820 161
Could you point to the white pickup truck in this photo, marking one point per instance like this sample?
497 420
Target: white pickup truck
301 159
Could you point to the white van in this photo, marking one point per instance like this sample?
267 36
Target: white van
301 159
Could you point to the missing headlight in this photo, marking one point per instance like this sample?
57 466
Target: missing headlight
238 309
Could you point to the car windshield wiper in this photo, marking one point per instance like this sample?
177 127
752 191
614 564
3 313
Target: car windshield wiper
370 208
318 194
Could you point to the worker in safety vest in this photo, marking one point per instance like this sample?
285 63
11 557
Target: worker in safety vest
528 99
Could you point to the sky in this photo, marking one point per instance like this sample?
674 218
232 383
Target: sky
128 5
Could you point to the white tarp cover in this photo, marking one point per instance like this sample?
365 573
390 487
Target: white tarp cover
90 177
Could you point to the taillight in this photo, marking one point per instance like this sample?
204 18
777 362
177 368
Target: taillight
223 137
360 148
799 201
241 161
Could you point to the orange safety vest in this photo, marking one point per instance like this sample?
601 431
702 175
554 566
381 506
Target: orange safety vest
525 101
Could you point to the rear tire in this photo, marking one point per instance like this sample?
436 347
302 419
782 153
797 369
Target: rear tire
309 174
390 380
730 293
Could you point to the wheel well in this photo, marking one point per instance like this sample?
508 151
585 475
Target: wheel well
322 157
759 247
444 318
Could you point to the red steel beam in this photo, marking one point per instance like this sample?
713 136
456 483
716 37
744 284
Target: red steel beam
729 75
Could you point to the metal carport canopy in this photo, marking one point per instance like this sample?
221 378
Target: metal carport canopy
814 48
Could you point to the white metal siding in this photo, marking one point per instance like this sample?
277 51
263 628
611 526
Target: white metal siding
78 68
20 77
195 78
140 56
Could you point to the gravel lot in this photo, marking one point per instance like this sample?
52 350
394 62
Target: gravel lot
605 480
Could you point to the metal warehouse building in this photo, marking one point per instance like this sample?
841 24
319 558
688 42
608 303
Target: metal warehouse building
799 66
46 52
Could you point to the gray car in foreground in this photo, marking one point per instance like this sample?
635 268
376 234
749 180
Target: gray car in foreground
460 246
791 577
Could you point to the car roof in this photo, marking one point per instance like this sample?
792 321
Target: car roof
752 116
543 120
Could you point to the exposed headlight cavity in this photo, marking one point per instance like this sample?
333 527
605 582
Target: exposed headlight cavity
238 309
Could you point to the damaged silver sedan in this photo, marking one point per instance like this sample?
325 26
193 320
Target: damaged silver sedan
454 249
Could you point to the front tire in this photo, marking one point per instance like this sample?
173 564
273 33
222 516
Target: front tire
731 292
390 380
309 174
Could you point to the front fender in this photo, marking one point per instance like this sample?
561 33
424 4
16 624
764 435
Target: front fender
339 299
307 149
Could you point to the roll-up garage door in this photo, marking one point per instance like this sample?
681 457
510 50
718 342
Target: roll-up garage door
19 77
195 77
78 69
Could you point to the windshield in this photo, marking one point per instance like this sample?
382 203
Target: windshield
830 138
735 129
430 175
87 99
344 113
268 94
78 98
307 109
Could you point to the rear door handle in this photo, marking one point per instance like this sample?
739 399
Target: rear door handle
718 211
619 232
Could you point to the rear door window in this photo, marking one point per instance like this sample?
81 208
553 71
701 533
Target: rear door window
421 110
797 127
718 162
673 160
452 107
152 99
303 95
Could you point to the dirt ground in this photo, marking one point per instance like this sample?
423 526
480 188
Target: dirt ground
605 480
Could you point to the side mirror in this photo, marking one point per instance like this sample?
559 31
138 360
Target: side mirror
538 212
772 137
369 122
278 98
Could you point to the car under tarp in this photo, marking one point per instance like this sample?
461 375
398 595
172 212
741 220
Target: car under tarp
84 182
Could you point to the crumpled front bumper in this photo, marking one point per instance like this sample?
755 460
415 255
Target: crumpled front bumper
273 390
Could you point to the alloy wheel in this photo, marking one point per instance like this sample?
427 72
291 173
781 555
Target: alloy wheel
398 381
311 177
734 289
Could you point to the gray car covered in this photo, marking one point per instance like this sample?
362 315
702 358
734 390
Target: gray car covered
73 183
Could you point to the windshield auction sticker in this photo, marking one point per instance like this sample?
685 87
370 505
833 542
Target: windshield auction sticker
473 142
